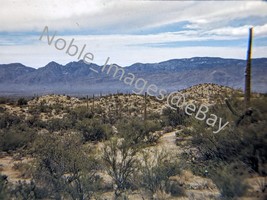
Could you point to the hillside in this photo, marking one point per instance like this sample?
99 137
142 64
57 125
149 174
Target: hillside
102 148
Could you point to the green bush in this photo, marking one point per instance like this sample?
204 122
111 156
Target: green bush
15 137
156 171
173 117
57 124
22 102
243 146
64 169
176 190
8 120
35 122
42 108
93 130
80 113
229 183
136 130
28 191
3 187
121 163
4 100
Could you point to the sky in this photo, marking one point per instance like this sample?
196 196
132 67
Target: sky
130 31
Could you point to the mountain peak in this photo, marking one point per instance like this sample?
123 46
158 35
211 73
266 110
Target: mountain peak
53 63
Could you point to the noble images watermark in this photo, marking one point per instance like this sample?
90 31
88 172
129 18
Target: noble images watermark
174 100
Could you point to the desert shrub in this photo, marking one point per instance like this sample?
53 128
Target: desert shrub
80 113
2 109
229 184
15 137
35 122
93 129
14 132
41 108
175 189
22 102
28 191
121 163
4 100
156 171
57 107
57 124
3 187
8 120
136 130
34 110
154 116
242 142
173 117
242 145
98 110
64 169
260 104
262 184
152 126
186 131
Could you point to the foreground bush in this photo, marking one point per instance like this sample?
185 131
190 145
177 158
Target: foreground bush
121 163
63 168
229 183
243 144
156 171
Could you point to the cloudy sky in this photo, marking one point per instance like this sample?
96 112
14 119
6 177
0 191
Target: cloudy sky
130 31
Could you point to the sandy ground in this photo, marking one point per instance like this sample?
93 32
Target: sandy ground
6 168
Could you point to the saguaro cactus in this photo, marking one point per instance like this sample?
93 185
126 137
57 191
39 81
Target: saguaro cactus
87 105
93 106
247 111
145 112
248 71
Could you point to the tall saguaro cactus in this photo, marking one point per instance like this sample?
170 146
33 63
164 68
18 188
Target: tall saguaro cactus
145 111
87 105
248 111
248 71
93 106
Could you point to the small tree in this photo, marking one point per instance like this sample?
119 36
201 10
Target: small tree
157 168
121 164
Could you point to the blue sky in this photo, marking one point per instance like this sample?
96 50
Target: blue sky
131 31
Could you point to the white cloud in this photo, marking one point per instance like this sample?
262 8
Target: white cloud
76 15
208 20
240 31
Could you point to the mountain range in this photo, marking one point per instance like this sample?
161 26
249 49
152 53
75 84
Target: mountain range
78 78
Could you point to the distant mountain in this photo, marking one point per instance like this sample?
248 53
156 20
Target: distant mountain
9 72
78 78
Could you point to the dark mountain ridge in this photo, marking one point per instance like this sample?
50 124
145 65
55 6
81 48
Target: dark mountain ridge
79 78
